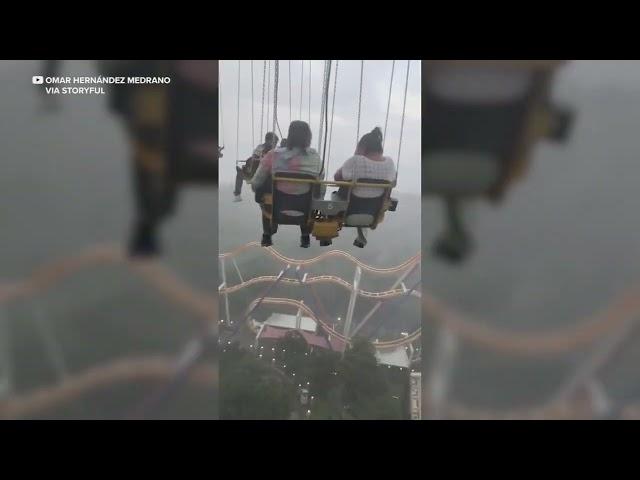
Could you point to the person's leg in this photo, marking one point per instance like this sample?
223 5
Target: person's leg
155 196
305 239
144 236
455 243
239 179
267 231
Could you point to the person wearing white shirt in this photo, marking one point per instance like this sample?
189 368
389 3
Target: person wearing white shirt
368 162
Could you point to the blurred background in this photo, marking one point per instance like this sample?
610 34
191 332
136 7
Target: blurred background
531 239
108 234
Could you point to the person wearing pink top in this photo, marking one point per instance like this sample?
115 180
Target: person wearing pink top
296 157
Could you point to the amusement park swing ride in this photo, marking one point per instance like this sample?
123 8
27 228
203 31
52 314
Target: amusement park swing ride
326 217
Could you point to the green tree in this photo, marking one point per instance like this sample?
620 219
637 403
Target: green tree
251 390
366 393
295 353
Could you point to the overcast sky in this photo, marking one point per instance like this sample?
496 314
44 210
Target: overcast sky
377 75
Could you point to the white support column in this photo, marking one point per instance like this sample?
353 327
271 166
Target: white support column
590 367
600 400
226 295
237 270
439 383
298 318
352 302
6 367
51 345
415 395
262 325
379 304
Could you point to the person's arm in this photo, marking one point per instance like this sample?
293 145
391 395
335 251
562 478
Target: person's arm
345 172
263 171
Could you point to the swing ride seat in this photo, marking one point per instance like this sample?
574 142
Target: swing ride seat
484 117
327 217
292 209
367 211
241 166
345 209
459 173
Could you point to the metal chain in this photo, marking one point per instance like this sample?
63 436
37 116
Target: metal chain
276 75
404 105
386 118
360 100
301 87
221 121
333 109
325 109
309 119
264 74
253 133
290 117
238 118
268 93
322 107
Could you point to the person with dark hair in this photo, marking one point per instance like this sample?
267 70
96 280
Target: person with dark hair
297 157
283 143
368 162
270 142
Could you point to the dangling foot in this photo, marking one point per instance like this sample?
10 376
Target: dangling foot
237 198
325 243
144 242
266 241
453 247
305 241
359 242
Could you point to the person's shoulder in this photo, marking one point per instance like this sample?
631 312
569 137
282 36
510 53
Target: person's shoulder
268 156
312 151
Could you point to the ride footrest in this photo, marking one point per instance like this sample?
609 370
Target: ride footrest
325 230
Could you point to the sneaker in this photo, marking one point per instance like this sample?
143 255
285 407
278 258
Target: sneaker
237 198
305 241
144 242
266 241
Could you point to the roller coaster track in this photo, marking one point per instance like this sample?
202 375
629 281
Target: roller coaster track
333 253
126 370
155 274
149 368
582 333
319 279
381 345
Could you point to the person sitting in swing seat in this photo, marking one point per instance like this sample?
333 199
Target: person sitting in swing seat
270 142
367 162
296 157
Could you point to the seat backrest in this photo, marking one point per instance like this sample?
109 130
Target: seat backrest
292 208
364 211
477 125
